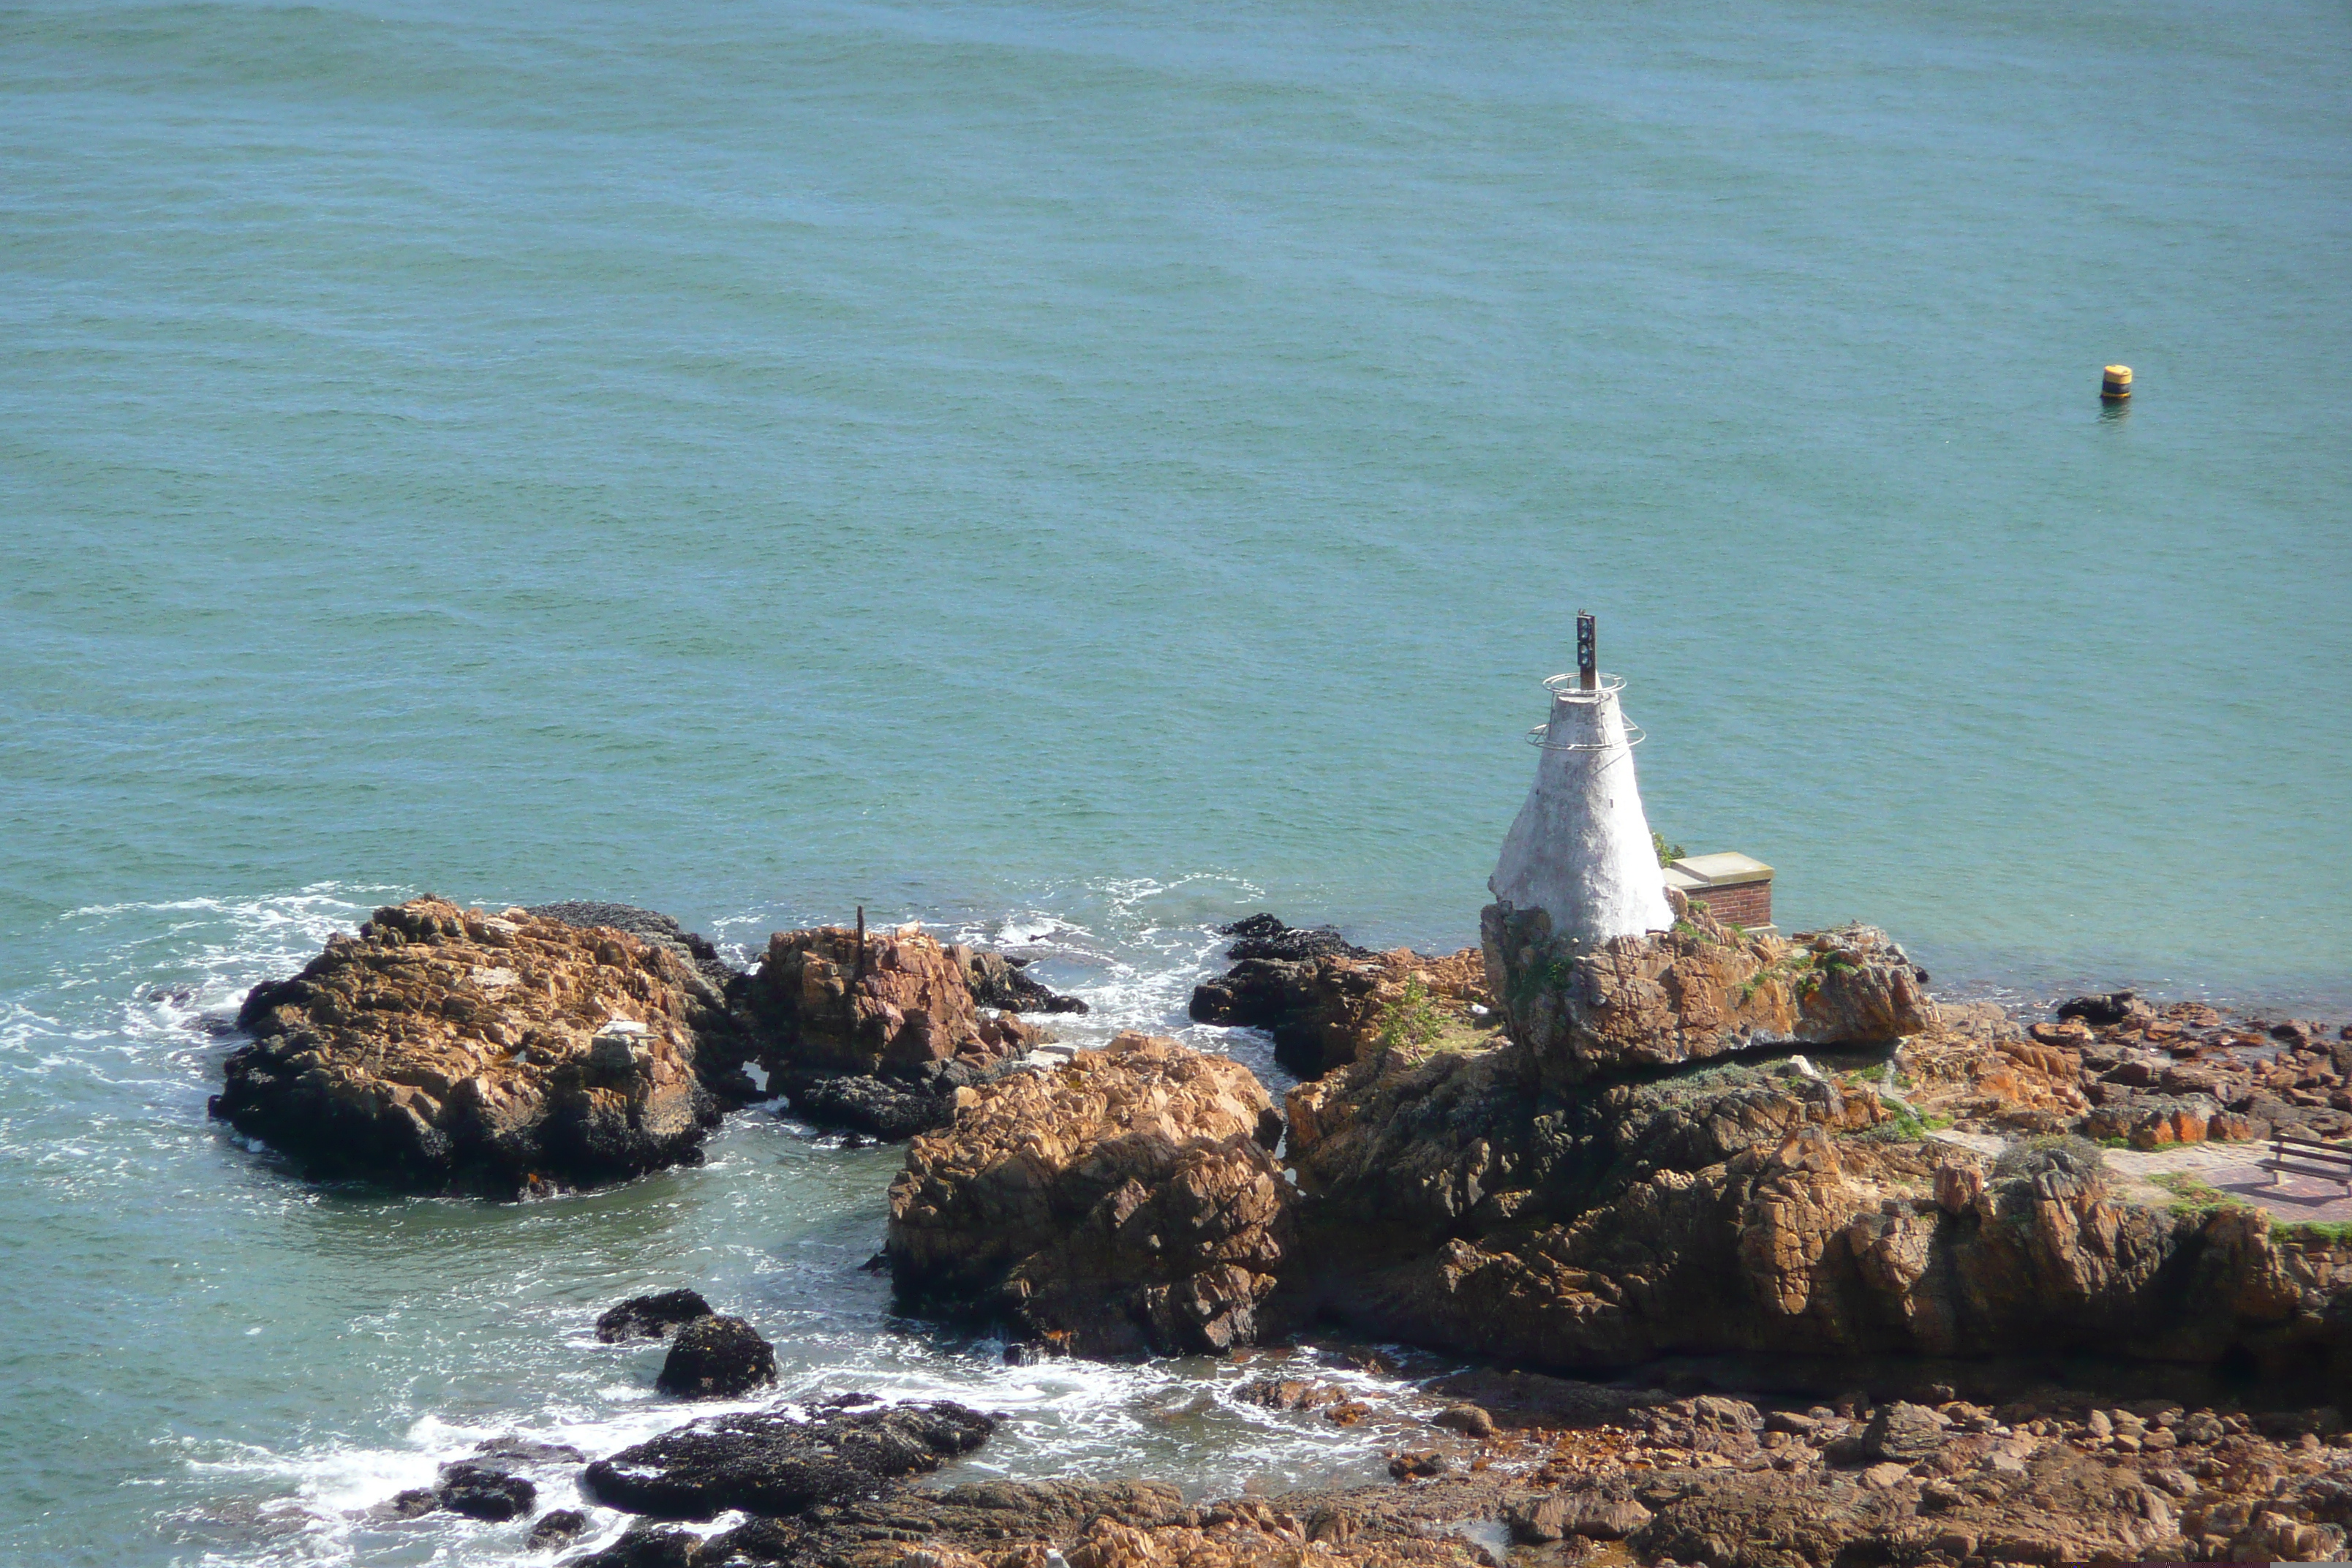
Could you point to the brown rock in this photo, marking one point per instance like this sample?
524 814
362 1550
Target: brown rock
1698 992
1467 1419
1734 1209
1328 1009
1901 1432
2049 1060
2154 1120
1124 1202
1956 1187
447 1048
1553 1516
821 1006
2231 1127
2064 1508
1287 1394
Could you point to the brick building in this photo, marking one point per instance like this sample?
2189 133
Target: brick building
1737 889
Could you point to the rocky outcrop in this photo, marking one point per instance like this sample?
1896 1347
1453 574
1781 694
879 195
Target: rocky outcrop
1696 993
1975 1067
821 1005
1628 1175
1122 1524
445 1047
2184 1073
717 1357
2115 1067
2052 1477
1124 1202
1752 1209
1326 1002
773 1463
878 1041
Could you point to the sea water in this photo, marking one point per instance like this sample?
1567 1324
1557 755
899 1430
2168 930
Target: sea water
1070 475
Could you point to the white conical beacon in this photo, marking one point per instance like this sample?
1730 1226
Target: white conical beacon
1581 849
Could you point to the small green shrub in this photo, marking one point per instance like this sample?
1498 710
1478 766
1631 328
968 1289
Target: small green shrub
1552 974
1667 853
2332 1232
1797 968
1413 1019
2193 1195
1903 1127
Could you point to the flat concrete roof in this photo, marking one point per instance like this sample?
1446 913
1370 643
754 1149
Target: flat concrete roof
1723 870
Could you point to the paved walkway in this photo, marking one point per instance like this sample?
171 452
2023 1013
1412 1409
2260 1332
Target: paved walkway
2233 1168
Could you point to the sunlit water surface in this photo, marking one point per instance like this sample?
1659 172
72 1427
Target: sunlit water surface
1069 474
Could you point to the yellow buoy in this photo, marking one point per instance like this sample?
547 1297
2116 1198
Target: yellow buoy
2116 385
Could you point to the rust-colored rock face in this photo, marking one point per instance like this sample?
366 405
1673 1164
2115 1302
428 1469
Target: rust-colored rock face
819 1006
1696 992
1121 1203
445 1047
1750 1207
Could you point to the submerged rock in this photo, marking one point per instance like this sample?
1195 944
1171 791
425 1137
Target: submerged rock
717 1357
557 1527
889 1109
1264 937
445 1049
528 1451
1125 1202
997 981
770 1463
484 1491
651 1317
2112 1007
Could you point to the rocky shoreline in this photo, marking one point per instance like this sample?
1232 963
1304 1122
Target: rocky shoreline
1704 1149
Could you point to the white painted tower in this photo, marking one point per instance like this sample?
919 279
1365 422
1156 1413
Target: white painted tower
1581 849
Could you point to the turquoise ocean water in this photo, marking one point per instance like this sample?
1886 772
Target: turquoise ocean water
1071 474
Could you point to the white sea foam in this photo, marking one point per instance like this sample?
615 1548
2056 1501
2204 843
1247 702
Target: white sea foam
430 1326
